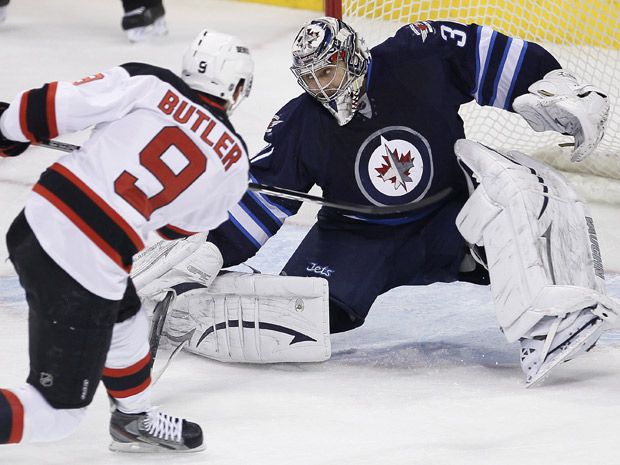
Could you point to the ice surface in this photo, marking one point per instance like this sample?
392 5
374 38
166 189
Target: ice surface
427 380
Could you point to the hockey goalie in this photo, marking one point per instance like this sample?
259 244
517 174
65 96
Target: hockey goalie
531 234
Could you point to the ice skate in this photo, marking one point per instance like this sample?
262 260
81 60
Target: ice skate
143 22
153 431
557 340
4 6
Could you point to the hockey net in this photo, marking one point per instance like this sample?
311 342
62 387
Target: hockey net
584 37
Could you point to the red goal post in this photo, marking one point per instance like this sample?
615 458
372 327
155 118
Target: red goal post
333 8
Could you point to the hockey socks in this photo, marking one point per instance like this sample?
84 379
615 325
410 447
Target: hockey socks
127 372
126 382
25 416
129 386
11 418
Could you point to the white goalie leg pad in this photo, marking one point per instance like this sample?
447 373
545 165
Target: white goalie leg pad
167 263
253 318
540 243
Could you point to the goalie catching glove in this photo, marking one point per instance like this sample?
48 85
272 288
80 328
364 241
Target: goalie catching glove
559 103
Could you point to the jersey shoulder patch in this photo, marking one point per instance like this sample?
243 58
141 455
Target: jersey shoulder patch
301 112
422 29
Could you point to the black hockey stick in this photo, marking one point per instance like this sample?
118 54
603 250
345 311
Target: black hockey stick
303 197
157 324
157 328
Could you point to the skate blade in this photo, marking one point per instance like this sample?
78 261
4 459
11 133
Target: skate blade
146 448
582 342
140 34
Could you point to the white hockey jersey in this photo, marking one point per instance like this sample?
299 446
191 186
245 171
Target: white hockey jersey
161 157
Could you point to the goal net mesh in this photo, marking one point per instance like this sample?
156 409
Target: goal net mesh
583 35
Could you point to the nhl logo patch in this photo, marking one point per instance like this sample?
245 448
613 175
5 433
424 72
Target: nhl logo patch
46 379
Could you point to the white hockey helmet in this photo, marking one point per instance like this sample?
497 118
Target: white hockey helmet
219 64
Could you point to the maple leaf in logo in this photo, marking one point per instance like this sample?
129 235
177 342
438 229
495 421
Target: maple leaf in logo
311 37
396 167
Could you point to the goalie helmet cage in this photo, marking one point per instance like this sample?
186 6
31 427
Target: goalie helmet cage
583 35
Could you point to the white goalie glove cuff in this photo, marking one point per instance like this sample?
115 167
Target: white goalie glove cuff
559 103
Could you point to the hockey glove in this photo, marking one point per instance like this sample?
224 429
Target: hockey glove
10 148
559 103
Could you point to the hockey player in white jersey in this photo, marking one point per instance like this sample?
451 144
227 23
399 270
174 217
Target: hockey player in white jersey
542 256
162 156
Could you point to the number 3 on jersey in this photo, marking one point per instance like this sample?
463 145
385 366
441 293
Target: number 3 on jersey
173 184
454 34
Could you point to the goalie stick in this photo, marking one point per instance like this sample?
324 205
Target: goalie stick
303 197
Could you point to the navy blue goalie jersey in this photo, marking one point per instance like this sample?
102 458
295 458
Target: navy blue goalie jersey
399 146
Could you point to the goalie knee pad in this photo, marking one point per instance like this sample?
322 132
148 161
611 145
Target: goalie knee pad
253 318
540 243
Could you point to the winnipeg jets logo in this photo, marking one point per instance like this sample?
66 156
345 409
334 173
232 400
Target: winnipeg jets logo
422 28
395 168
312 36
394 165
274 122
309 40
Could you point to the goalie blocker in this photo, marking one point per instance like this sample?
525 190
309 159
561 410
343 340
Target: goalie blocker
542 254
235 317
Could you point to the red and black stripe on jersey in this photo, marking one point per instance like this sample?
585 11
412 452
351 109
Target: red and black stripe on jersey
129 381
37 113
91 214
11 418
170 232
167 76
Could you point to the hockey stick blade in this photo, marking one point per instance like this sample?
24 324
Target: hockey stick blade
304 197
157 324
182 341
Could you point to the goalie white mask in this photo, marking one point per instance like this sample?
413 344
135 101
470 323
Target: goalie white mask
330 62
219 65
